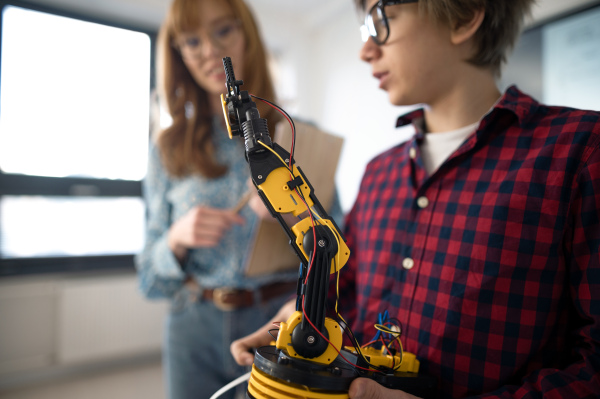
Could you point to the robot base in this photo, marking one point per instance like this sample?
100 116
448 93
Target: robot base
276 375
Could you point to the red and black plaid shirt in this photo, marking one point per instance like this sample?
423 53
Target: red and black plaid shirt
492 263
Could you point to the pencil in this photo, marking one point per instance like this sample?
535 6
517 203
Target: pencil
242 202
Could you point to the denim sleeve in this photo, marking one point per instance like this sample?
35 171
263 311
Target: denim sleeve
159 272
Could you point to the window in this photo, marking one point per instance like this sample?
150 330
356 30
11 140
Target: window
74 123
557 61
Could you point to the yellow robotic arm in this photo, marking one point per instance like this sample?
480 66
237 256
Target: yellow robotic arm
316 238
304 362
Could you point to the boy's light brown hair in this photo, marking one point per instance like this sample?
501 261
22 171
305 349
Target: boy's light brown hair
498 32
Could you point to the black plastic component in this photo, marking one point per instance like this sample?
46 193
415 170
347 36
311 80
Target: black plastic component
255 130
292 184
317 283
335 377
228 66
307 342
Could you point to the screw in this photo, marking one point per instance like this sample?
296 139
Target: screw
321 243
283 360
310 339
259 177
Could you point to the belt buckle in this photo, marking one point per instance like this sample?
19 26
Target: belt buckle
219 295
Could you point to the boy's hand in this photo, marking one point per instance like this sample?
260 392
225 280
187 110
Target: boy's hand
240 349
364 388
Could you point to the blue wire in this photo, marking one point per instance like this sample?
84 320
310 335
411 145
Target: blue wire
381 319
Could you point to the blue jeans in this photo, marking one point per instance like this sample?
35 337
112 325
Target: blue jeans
196 356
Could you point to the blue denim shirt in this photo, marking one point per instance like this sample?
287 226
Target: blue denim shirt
169 198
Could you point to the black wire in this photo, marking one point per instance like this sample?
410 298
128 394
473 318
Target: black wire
350 334
356 345
286 114
273 329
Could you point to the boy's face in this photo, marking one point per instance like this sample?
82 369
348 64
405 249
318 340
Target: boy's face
416 64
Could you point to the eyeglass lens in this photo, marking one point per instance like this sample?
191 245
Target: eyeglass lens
375 25
376 22
222 36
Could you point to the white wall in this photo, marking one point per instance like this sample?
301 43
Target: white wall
349 103
58 325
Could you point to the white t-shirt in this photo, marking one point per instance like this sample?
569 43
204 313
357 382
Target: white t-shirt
437 147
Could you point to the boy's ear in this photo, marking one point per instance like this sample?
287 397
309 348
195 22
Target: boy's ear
464 32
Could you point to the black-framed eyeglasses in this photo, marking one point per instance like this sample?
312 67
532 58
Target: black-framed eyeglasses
222 36
376 23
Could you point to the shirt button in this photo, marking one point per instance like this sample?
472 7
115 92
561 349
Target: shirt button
408 263
412 153
422 202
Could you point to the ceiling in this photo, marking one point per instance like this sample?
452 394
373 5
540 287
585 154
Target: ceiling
148 14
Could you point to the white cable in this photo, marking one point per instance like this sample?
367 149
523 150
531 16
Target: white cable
232 384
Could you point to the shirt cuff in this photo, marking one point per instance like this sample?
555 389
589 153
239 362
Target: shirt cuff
165 261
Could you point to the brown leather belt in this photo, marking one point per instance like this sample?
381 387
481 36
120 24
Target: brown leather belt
227 299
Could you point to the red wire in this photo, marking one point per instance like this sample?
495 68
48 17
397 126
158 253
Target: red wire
289 121
304 297
370 343
329 342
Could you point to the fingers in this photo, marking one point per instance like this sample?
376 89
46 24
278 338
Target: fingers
201 227
216 217
240 349
210 224
364 388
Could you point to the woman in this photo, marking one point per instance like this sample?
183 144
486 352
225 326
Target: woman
197 236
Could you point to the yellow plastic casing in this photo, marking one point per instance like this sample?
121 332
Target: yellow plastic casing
408 361
301 228
224 104
263 386
282 199
284 339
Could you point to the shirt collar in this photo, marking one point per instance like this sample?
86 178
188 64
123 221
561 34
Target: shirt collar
513 100
520 104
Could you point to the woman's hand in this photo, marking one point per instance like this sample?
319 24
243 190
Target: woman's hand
240 349
364 388
201 226
256 204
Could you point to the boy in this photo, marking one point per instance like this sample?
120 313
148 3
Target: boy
481 234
